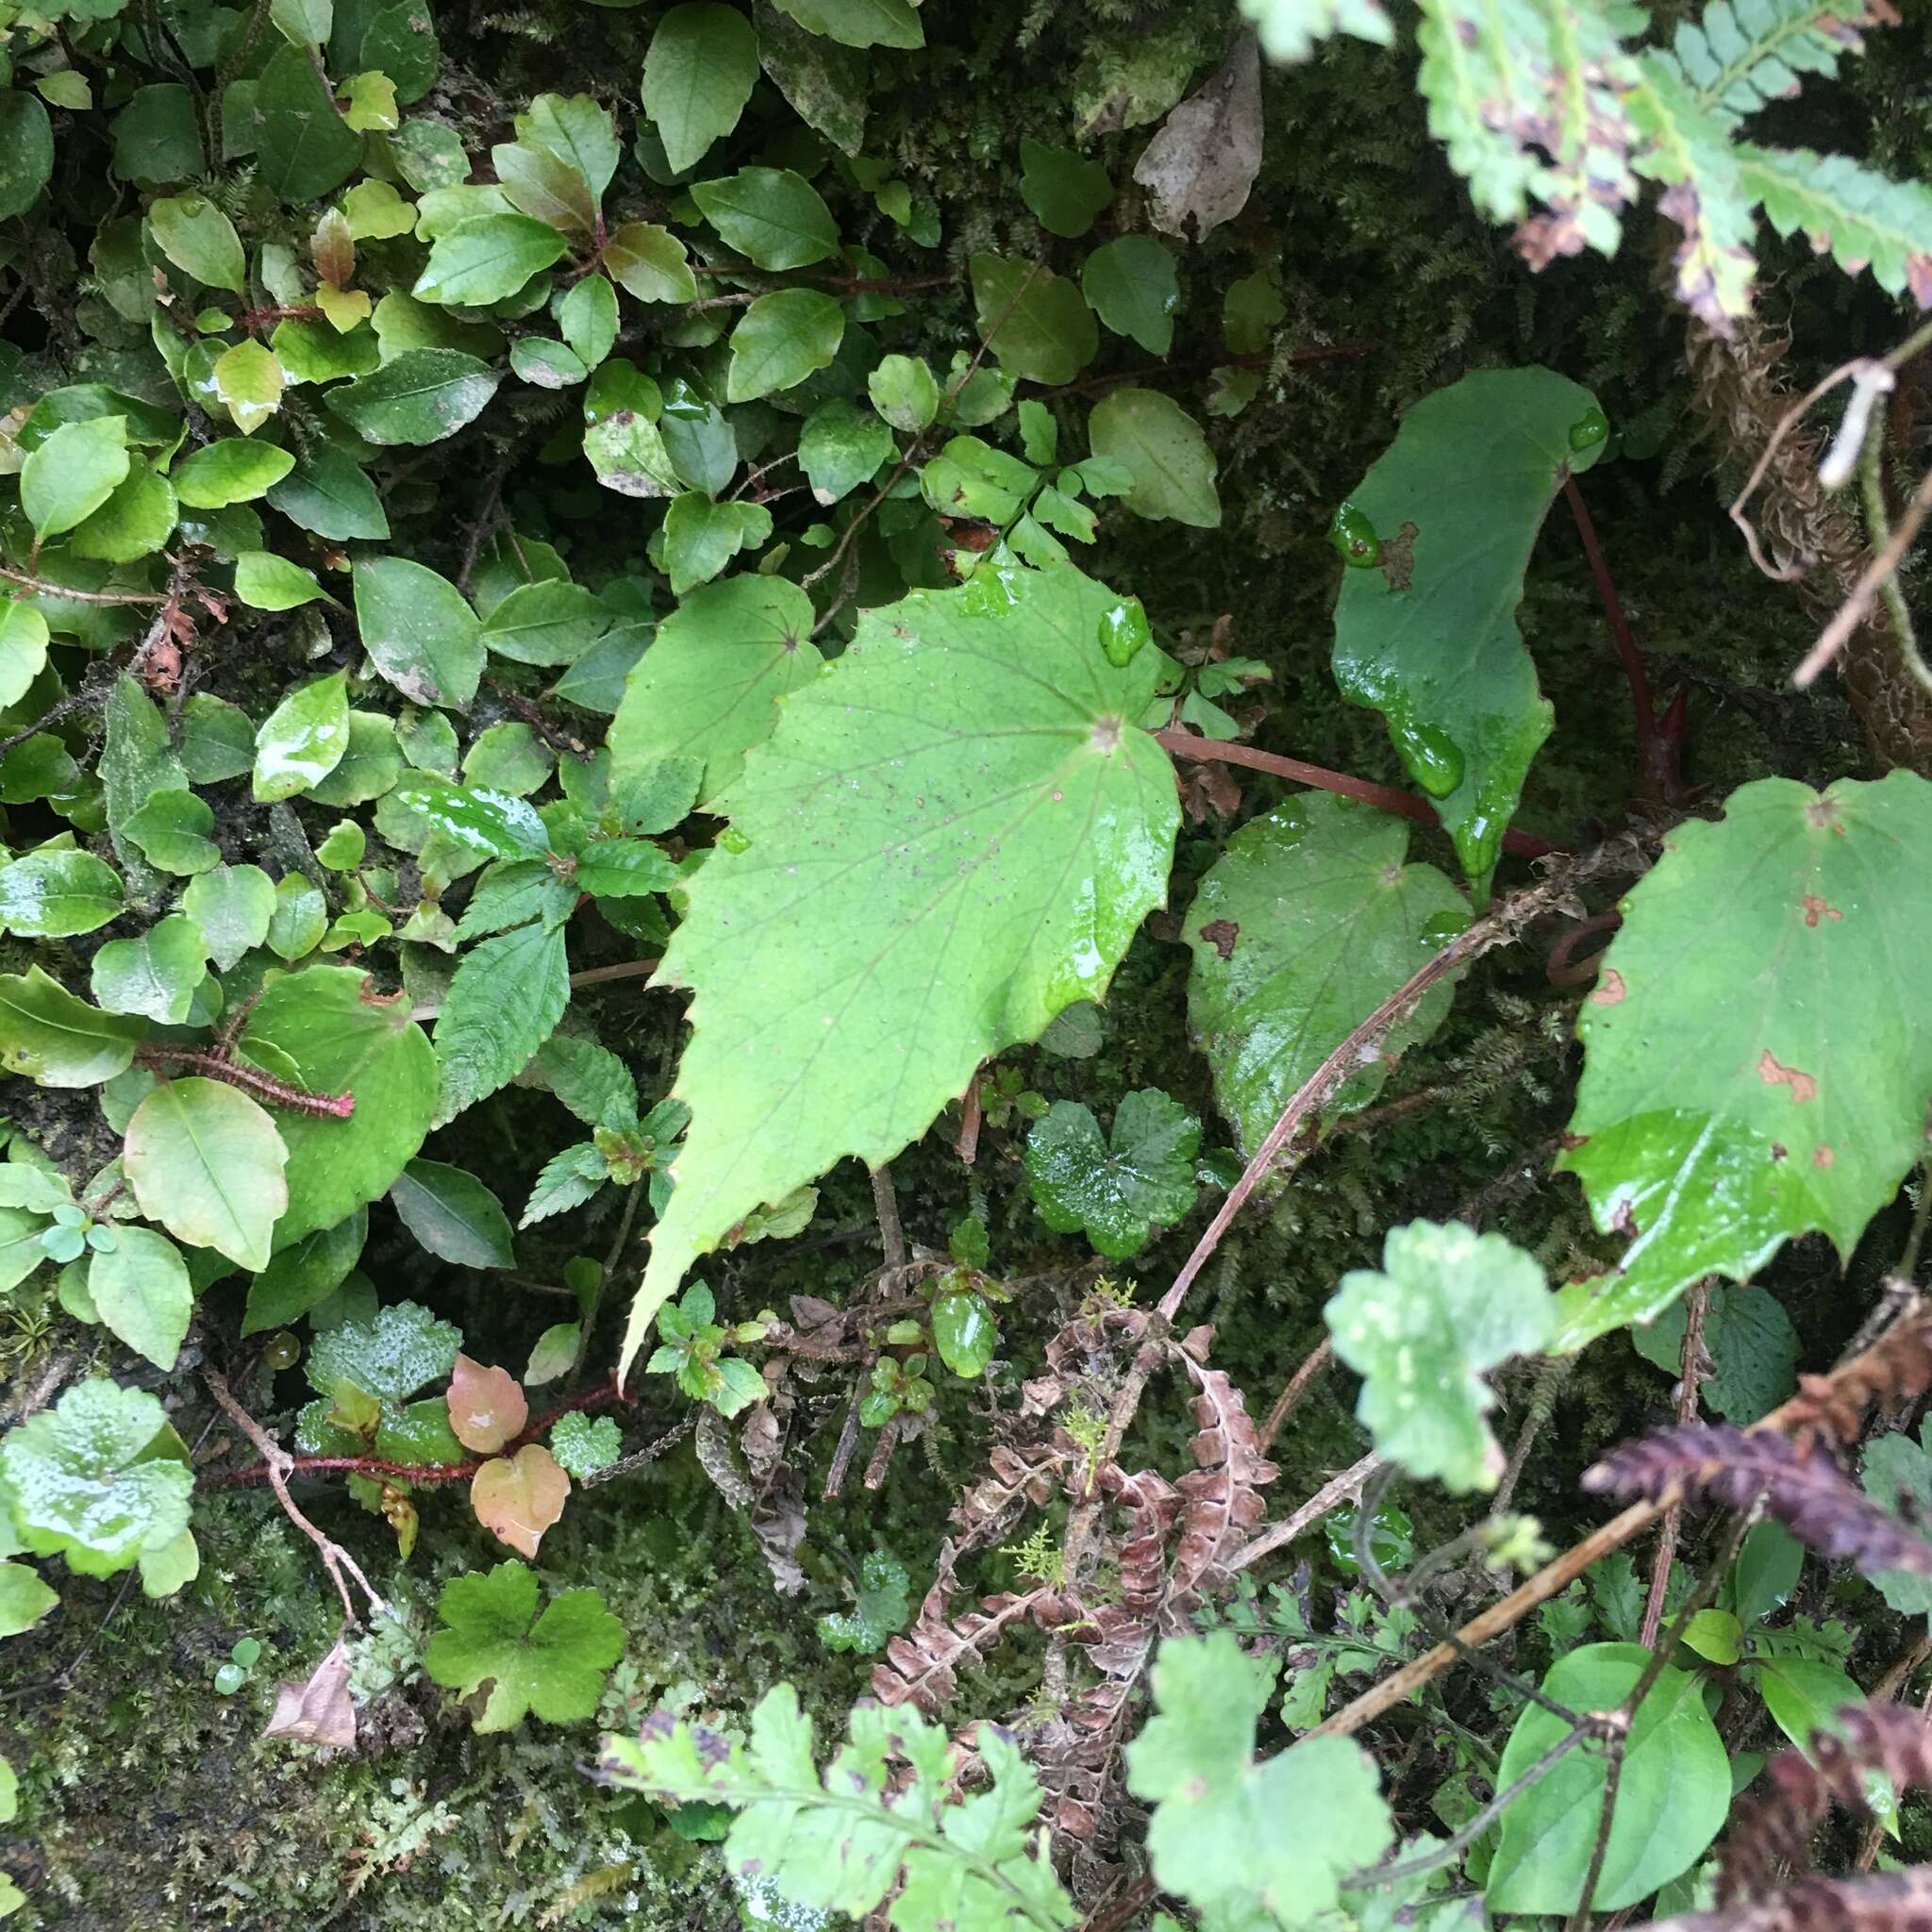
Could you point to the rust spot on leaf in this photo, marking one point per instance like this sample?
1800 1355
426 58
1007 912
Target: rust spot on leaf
1803 1086
1221 934
1822 1156
1817 909
1778 1150
1610 989
1397 560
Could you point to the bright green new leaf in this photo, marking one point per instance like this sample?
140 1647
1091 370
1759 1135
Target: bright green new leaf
699 72
303 148
1674 1790
56 894
23 650
55 1040
1753 1067
708 686
232 904
454 1215
552 623
265 581
775 218
1115 1192
302 741
1437 539
1446 1305
420 395
1305 924
23 1600
235 470
142 1291
1163 449
781 339
884 1606
964 802
329 1030
1290 28
487 258
418 630
135 521
1036 324
249 382
504 1003
154 976
1216 1836
73 472
80 1488
1065 190
1130 284
552 1664
206 1162
1806 1698
200 241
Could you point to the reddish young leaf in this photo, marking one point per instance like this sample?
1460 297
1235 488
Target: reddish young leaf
518 1497
486 1407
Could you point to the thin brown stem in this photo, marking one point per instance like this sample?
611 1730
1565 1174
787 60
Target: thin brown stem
1692 1361
1313 1363
1191 745
41 587
1857 608
885 1202
1336 1491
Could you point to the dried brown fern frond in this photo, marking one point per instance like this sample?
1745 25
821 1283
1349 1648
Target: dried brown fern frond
1223 1492
921 1666
1802 1488
1776 1829
1898 1902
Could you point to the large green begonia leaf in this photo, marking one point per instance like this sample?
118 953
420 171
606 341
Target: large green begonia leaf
1438 537
1756 1064
949 838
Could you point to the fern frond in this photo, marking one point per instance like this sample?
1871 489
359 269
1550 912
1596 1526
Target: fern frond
1288 29
1863 219
1744 54
1530 98
1689 154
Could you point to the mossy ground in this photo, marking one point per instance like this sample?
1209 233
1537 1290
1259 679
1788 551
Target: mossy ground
148 1801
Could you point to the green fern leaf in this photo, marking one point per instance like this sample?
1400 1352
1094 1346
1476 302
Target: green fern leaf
1530 97
1288 29
1744 54
1862 218
1688 152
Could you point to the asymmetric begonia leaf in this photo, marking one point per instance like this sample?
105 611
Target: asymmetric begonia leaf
977 829
1436 537
1302 926
1754 1066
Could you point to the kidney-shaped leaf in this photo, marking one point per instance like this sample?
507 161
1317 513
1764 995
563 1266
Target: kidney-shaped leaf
1438 537
518 1497
946 841
487 1408
1755 1063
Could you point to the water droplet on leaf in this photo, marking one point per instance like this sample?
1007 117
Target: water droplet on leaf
1123 630
1354 538
1590 429
732 839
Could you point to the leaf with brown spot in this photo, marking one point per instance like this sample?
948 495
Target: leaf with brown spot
487 1408
518 1497
1817 909
1803 1086
1610 989
1221 934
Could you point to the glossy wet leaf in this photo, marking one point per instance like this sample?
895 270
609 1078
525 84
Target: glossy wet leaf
422 395
142 1291
486 1406
1212 1839
964 1333
773 217
332 1031
549 1663
883 1607
52 1037
581 1444
1428 635
249 382
1446 1305
79 1486
419 631
970 811
58 893
206 1162
486 258
1674 1790
1305 924
455 1217
1754 1066
389 1358
155 974
302 741
699 72
518 1497
1115 1188
710 685
232 904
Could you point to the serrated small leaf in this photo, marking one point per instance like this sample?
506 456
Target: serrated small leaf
1115 1188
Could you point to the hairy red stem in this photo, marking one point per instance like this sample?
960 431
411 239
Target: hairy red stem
340 1106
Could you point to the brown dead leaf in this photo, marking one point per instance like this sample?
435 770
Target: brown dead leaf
318 1711
486 1406
518 1497
1201 165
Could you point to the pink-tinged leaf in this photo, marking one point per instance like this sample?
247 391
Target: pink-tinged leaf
518 1497
486 1407
318 1711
